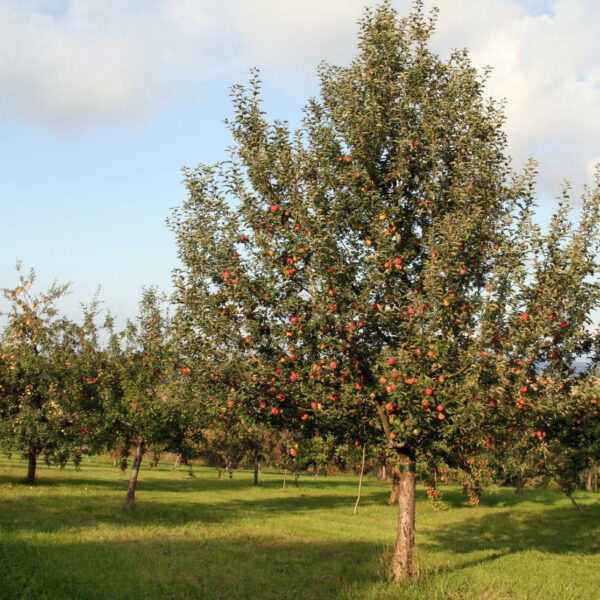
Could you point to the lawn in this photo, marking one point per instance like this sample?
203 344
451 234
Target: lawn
69 538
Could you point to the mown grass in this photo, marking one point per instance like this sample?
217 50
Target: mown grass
69 538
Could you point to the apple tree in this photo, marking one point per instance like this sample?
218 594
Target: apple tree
51 378
150 408
351 277
545 350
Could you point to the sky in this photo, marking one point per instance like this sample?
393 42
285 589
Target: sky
102 102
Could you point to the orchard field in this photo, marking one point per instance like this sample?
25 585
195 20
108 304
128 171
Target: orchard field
68 537
370 291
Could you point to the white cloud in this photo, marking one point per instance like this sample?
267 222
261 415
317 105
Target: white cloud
100 61
548 68
74 64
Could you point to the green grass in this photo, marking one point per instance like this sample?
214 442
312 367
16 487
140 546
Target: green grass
69 538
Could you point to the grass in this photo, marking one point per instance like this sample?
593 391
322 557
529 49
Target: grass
69 538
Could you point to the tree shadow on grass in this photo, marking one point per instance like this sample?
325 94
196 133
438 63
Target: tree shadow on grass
52 512
205 479
557 530
186 566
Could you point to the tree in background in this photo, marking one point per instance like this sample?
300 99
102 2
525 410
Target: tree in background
540 386
146 413
50 378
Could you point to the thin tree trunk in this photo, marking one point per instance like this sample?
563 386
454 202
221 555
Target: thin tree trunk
393 499
360 479
284 478
177 462
32 455
581 511
402 567
135 469
592 479
519 485
383 473
256 466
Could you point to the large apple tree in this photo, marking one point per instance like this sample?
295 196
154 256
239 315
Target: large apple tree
350 277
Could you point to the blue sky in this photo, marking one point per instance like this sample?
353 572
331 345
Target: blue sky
102 102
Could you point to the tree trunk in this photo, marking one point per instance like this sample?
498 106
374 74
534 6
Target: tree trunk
362 472
284 478
383 473
177 462
32 455
519 485
402 567
576 505
393 499
256 466
135 469
592 479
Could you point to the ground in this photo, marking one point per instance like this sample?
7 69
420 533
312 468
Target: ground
69 538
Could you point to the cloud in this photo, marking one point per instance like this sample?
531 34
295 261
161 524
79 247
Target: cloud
73 64
91 61
547 67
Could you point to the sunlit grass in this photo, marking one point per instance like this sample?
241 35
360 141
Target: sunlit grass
68 537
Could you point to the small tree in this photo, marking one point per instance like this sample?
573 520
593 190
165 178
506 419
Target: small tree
48 365
145 413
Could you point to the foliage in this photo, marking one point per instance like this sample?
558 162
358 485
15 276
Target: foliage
51 377
376 274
